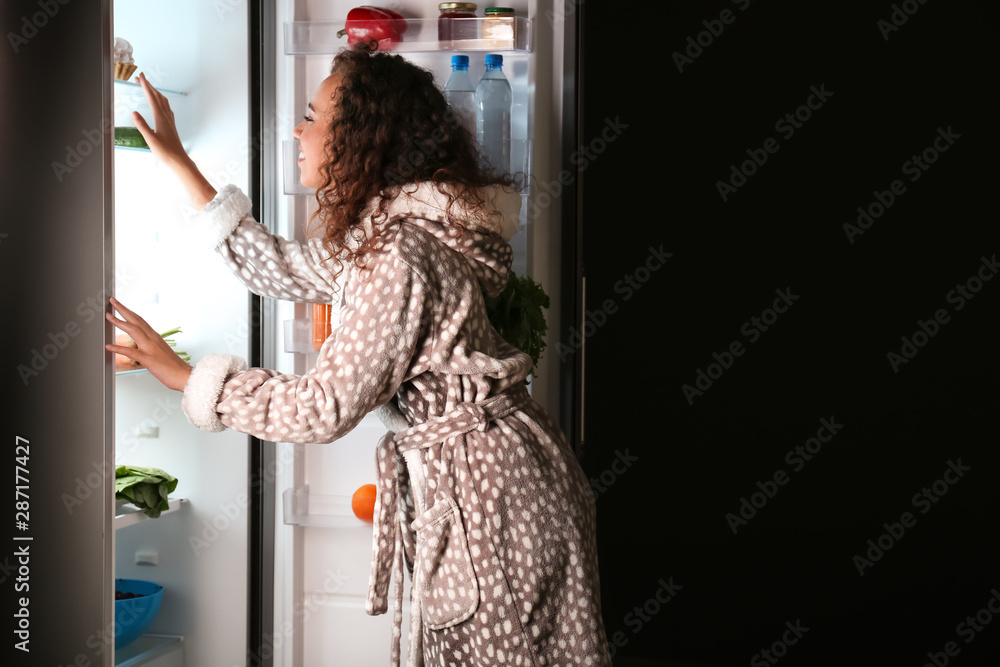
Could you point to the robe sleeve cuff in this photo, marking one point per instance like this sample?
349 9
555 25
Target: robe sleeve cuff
204 387
221 216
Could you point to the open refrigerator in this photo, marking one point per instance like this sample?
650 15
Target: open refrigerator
259 555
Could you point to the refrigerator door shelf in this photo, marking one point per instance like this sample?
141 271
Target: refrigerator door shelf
302 508
129 515
320 38
299 337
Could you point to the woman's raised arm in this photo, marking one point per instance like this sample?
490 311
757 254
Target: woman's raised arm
166 145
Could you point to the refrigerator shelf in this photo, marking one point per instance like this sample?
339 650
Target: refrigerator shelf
137 371
132 84
152 650
320 38
129 515
315 510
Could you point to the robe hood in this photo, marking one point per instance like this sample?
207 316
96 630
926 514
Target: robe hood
484 241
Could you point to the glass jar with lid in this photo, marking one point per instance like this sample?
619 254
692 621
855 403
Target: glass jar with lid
498 28
457 21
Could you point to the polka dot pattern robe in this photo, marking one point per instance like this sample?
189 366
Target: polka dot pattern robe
500 517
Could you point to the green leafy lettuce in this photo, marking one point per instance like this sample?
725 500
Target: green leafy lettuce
516 314
146 488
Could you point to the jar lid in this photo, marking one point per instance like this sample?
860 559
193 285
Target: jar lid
457 5
499 10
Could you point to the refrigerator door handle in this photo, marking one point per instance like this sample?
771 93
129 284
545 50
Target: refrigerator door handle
583 357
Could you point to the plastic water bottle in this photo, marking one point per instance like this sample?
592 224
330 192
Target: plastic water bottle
494 101
460 91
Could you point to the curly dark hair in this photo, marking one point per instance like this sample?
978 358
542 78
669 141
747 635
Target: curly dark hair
391 126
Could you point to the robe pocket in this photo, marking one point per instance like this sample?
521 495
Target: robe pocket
448 589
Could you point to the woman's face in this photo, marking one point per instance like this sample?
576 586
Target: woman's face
312 133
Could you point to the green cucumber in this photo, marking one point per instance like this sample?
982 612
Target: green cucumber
129 137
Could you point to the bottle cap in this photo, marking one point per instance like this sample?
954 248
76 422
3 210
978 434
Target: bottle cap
499 10
494 59
460 61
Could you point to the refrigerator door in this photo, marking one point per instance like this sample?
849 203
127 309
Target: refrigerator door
778 386
55 194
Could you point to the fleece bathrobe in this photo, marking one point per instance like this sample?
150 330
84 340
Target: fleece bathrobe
478 491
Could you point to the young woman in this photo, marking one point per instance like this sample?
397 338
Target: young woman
477 488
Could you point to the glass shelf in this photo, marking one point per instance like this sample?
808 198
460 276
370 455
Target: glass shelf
302 508
320 38
128 514
138 88
137 371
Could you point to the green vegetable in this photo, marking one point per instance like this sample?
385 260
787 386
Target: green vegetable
146 488
129 137
166 336
516 314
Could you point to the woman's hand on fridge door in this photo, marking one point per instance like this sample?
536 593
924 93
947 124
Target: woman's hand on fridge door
151 350
165 143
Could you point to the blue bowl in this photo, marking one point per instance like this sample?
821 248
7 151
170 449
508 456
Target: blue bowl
133 616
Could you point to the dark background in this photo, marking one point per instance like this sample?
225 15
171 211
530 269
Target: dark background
664 516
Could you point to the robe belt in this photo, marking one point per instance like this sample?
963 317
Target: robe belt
390 508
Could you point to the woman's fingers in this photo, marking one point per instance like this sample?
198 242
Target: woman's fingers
155 97
150 350
144 129
127 314
164 141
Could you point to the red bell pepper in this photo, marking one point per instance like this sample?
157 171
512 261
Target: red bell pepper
370 24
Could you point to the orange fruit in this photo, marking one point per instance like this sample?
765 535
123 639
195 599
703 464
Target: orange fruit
363 503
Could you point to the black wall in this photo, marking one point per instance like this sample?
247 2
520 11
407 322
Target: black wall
668 467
